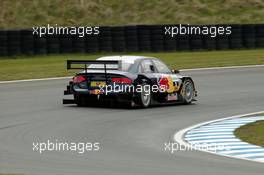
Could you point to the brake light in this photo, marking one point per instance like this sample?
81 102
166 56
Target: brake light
79 79
122 80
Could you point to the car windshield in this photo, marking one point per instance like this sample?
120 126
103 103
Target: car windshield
125 65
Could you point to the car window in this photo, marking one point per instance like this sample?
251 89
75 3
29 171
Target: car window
140 69
161 67
147 66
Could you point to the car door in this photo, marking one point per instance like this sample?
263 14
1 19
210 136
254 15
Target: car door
169 78
148 69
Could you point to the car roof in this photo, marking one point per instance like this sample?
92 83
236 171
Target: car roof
125 58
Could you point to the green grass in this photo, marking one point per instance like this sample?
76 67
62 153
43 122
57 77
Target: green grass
25 67
119 12
252 133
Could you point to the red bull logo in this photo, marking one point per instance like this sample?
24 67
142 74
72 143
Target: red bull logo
166 83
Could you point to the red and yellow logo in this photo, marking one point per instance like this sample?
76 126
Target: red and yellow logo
166 84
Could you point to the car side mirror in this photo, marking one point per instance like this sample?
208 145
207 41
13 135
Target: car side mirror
175 71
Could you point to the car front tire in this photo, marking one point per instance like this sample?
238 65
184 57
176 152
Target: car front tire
188 91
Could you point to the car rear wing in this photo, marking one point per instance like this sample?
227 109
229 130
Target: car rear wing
85 64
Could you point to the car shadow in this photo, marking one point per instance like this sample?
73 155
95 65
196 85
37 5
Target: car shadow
125 107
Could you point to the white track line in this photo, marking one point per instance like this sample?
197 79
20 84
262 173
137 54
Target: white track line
219 68
208 134
260 159
232 140
248 155
239 147
212 130
183 70
30 80
241 151
219 127
208 137
179 136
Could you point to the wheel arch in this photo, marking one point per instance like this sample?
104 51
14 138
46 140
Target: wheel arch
188 78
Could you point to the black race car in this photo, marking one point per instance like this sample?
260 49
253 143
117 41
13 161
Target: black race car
131 80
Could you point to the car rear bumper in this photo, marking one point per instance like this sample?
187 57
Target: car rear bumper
88 96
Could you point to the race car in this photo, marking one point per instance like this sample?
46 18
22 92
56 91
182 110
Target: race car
131 80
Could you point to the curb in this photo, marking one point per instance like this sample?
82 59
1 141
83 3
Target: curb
220 132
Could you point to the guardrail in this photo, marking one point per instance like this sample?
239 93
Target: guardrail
139 38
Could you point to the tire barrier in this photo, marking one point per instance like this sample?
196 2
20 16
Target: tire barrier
157 38
222 41
27 42
235 39
53 44
14 42
3 43
78 44
249 36
183 43
196 42
40 45
131 38
118 39
66 44
92 44
137 38
105 39
260 36
209 43
170 44
144 38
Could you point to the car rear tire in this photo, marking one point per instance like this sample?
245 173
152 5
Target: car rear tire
143 98
79 100
188 91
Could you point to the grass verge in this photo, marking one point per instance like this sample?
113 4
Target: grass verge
27 67
252 133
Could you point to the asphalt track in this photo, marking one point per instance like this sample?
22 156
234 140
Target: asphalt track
132 141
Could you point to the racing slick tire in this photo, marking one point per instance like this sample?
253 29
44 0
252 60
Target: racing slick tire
143 98
79 100
188 91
